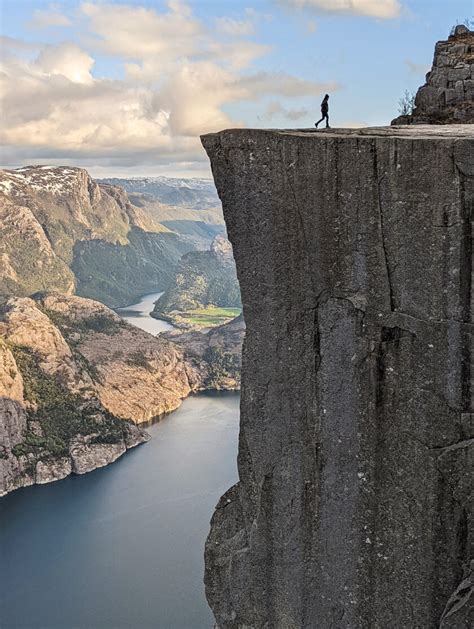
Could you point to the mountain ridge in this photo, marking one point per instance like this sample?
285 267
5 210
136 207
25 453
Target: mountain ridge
80 227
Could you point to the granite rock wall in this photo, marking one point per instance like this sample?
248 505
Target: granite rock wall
448 94
354 255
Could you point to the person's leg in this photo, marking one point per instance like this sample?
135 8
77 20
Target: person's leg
319 121
327 121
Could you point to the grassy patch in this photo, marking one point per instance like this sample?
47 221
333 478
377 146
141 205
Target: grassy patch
210 317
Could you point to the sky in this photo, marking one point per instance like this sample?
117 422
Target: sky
125 88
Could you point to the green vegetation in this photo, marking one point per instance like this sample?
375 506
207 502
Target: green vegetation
138 359
221 365
61 414
118 274
204 291
100 322
33 269
210 317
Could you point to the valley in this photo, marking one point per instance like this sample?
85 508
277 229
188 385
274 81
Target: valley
76 379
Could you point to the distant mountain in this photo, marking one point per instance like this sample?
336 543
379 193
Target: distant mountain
61 230
189 207
199 194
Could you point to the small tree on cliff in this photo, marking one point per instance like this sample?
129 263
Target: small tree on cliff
406 104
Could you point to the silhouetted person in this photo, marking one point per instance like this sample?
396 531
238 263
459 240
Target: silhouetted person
324 112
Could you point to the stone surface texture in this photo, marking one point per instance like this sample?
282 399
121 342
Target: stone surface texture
448 94
354 503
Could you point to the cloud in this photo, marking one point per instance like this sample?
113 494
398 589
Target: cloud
66 60
238 28
383 9
46 18
180 79
417 68
275 108
134 32
282 84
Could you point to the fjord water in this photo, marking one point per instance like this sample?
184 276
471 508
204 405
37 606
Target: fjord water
139 314
122 546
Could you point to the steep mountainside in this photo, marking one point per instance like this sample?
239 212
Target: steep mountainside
216 356
448 94
72 374
189 207
202 278
198 226
354 503
60 230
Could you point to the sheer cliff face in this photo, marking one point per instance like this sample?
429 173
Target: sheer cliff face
354 257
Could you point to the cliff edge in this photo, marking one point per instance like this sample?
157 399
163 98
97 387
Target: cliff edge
354 256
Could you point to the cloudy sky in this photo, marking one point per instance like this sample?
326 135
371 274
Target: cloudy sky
125 88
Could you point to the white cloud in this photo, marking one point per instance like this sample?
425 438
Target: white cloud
384 9
66 60
52 16
275 108
238 28
179 79
134 32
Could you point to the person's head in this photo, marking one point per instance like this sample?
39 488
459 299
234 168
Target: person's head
326 97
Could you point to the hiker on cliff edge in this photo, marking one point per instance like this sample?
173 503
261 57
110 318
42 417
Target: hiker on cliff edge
324 112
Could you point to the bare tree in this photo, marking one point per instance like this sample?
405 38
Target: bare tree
406 104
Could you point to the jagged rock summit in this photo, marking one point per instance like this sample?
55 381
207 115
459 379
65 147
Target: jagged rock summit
354 503
448 94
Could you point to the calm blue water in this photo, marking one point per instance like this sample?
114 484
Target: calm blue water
122 546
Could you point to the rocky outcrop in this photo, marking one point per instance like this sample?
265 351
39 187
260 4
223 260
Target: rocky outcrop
62 231
448 94
353 507
73 378
215 357
203 279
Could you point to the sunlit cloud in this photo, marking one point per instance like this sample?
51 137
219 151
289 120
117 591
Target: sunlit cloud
276 109
50 17
179 79
383 9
